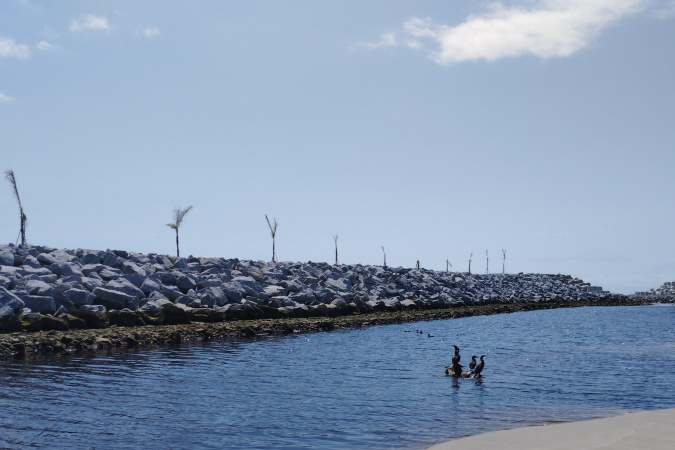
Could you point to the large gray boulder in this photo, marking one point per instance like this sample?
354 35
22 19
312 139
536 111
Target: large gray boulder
185 283
212 296
40 304
125 286
79 297
95 316
150 285
114 299
38 287
9 299
6 258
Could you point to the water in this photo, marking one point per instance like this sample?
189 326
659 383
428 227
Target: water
378 387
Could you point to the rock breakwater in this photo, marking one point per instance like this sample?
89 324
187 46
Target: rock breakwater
97 288
46 289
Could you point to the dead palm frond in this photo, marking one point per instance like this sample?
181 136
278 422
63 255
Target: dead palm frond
9 175
335 238
273 232
178 216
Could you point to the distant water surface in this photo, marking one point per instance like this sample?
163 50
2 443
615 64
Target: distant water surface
377 387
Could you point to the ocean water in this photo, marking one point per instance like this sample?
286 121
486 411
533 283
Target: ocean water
375 387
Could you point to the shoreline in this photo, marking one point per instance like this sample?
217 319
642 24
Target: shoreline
644 429
76 342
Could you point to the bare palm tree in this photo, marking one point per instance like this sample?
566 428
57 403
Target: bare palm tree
178 216
447 265
503 260
335 238
470 263
273 232
385 256
487 262
9 175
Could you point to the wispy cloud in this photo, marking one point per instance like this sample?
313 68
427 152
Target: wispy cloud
47 47
10 49
151 32
389 39
90 22
542 28
5 98
665 11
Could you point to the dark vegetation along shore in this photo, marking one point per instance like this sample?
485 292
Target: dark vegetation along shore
55 301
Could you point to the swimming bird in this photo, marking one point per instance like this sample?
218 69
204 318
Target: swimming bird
456 357
472 364
479 367
428 335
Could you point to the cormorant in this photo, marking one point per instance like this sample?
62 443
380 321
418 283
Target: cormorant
456 357
472 364
479 367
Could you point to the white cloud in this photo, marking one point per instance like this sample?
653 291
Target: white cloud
667 11
389 40
543 28
10 49
47 47
5 98
151 32
90 22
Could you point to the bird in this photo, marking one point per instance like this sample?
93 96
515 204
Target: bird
428 335
479 368
472 364
456 357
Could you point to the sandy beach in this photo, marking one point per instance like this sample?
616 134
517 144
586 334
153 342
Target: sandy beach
652 430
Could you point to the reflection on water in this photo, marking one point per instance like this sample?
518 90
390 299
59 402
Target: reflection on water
377 387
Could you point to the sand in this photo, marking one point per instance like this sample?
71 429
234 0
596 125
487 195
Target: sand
653 430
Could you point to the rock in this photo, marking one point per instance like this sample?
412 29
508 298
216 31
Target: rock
114 299
75 323
152 313
91 258
5 282
40 304
206 315
31 261
61 269
38 287
212 296
6 258
125 318
79 297
11 300
54 323
31 321
95 316
185 283
174 313
9 322
170 292
125 286
149 285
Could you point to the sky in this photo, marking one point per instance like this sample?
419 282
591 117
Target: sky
435 129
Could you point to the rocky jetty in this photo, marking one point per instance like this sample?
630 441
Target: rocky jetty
42 288
663 293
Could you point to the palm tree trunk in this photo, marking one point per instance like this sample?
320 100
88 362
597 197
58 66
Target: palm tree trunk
274 254
177 248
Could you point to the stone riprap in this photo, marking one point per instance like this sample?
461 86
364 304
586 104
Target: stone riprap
664 293
43 288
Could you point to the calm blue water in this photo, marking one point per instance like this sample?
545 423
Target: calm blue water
377 387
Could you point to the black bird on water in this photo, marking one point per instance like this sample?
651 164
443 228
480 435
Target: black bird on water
472 364
456 357
479 367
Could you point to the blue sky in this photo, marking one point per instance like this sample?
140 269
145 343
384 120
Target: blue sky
436 129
